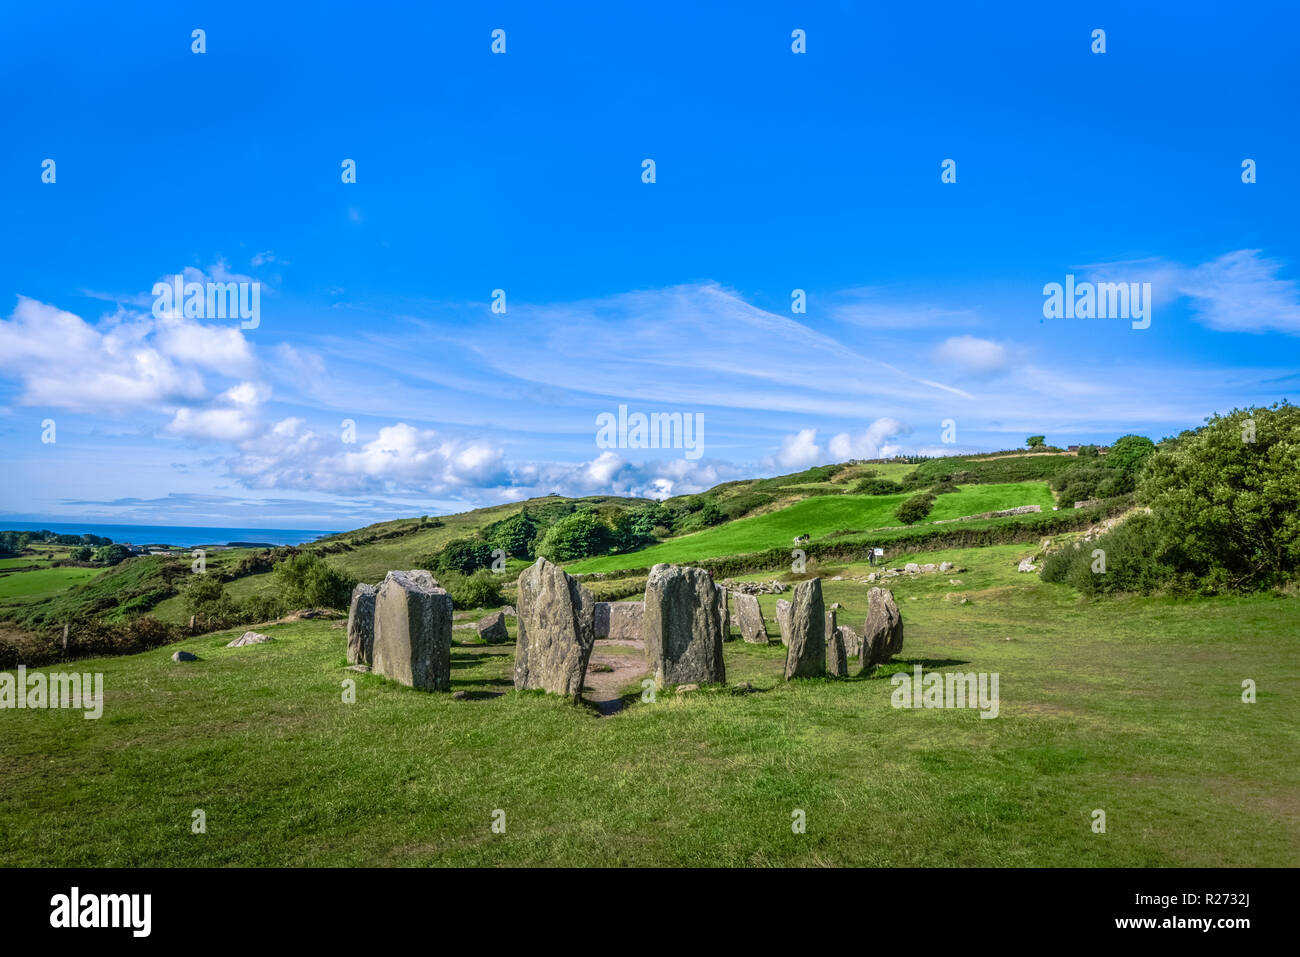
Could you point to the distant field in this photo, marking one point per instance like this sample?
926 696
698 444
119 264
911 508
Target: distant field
816 517
41 583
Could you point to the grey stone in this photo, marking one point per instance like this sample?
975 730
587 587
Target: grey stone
783 620
749 616
620 620
361 625
724 605
912 568
882 636
556 630
412 643
806 654
945 566
249 638
184 656
492 628
851 640
837 660
683 626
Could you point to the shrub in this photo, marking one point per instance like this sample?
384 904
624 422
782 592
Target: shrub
914 509
307 580
464 555
580 535
1230 490
1135 556
479 590
516 535
877 486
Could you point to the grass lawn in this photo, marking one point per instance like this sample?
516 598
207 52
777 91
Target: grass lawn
816 517
1131 706
41 583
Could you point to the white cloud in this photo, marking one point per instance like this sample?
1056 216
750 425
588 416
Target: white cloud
869 443
973 355
799 450
1241 292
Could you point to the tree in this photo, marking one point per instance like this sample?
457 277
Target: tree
1228 492
579 535
1035 441
464 555
111 554
516 535
1129 452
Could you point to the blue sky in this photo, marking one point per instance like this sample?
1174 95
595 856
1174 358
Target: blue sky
775 171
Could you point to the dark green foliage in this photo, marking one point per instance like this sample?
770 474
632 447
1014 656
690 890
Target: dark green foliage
516 535
308 581
83 553
111 554
915 509
740 505
1035 441
464 556
1132 557
579 535
1129 452
479 590
877 486
965 470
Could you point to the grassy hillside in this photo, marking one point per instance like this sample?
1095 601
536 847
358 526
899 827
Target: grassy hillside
816 517
1132 706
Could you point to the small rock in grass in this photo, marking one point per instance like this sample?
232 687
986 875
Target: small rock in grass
248 638
184 656
687 689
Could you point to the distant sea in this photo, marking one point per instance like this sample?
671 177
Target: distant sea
173 534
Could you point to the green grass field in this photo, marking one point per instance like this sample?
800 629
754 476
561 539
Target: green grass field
41 583
1131 706
816 517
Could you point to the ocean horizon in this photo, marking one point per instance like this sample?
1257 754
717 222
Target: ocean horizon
187 535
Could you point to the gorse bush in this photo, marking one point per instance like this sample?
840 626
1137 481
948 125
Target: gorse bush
308 581
464 555
1225 511
914 509
876 486
579 535
479 590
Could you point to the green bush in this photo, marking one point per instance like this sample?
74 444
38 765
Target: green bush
580 535
516 535
308 581
464 555
1231 492
479 590
1132 557
914 509
877 486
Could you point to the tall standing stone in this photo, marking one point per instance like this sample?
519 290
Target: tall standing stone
749 615
361 625
683 626
837 658
556 630
412 639
724 603
806 655
783 620
851 639
882 637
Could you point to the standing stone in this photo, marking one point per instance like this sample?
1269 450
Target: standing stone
724 602
831 623
883 634
783 620
749 615
683 626
806 655
837 659
624 620
600 618
412 641
492 628
556 630
361 625
851 639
